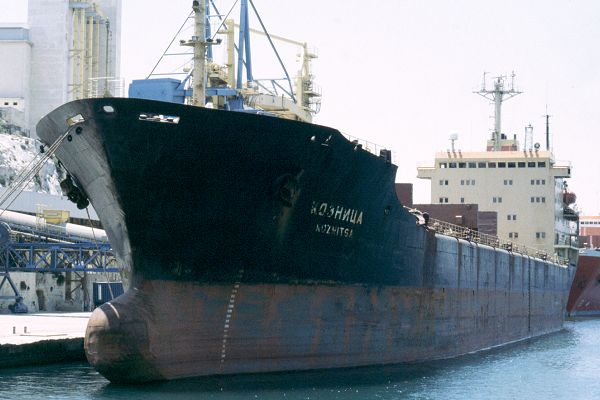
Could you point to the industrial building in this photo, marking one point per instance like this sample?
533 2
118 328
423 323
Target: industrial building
590 231
15 62
67 50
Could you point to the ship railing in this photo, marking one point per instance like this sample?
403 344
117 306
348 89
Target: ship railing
461 232
425 164
369 146
562 163
570 241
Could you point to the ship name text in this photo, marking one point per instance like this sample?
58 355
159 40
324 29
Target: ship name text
339 213
334 230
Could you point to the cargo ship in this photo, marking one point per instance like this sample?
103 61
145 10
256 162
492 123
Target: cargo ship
584 297
287 250
260 244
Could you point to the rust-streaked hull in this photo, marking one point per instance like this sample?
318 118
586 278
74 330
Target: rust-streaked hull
169 330
584 297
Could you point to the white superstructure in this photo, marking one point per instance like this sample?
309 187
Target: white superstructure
526 187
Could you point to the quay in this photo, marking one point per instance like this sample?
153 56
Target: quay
41 338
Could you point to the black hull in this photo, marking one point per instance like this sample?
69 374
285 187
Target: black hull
221 191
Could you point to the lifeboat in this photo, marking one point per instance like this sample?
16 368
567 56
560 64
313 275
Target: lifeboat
569 197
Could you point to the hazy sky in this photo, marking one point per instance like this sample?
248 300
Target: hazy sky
401 73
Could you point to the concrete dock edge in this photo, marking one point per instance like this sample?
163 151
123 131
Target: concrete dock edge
41 352
41 338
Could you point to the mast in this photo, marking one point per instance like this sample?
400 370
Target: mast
498 95
547 130
244 52
199 43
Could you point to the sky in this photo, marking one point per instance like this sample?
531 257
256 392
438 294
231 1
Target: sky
402 73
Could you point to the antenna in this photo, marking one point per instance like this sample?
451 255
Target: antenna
547 128
498 95
528 142
483 82
453 138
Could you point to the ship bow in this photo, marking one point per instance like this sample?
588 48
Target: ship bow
117 344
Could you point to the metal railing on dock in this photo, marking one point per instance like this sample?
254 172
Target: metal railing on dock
58 257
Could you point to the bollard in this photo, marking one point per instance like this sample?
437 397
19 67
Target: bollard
14 330
25 330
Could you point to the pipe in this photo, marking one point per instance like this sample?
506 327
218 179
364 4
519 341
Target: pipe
12 217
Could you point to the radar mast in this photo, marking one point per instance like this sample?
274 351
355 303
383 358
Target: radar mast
498 94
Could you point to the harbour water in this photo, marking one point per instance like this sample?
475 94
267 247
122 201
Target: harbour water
565 365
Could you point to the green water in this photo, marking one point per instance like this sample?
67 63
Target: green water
565 365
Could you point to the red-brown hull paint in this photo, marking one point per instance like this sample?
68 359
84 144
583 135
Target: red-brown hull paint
170 330
584 297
